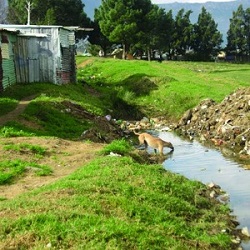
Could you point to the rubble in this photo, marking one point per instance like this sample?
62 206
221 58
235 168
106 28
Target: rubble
223 124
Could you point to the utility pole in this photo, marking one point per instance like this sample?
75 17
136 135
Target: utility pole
28 8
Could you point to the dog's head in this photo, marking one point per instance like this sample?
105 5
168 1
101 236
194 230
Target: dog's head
169 145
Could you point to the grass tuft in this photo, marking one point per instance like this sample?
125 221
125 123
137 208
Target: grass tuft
121 147
10 170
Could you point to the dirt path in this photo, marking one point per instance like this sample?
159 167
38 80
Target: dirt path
62 156
17 111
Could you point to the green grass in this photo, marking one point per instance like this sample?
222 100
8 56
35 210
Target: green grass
168 88
26 148
10 170
14 130
116 203
125 89
121 147
7 105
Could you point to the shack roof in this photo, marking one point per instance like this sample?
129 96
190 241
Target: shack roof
15 27
9 30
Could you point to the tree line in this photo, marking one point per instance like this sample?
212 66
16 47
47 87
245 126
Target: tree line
140 27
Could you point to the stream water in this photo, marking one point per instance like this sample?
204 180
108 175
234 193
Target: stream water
197 162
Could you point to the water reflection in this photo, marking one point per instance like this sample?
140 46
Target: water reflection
198 162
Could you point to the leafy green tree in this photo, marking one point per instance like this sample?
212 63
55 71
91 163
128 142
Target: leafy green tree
17 12
121 21
168 43
183 30
238 35
3 9
206 37
154 33
96 37
50 18
247 30
58 12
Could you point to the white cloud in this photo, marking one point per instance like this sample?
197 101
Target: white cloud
187 1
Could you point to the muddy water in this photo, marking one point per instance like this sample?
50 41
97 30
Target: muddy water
207 165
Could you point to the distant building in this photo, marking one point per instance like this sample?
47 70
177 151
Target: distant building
34 53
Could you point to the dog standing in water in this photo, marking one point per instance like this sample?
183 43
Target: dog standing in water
154 142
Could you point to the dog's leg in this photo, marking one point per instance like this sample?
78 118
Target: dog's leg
160 150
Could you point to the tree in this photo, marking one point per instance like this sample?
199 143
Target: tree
3 9
122 20
160 29
17 12
154 32
238 35
58 12
206 37
96 37
183 30
50 17
247 30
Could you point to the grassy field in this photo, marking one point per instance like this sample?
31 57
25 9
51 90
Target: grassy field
112 202
168 88
116 203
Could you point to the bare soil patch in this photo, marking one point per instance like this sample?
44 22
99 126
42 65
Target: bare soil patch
63 156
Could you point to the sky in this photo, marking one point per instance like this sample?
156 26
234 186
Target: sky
187 1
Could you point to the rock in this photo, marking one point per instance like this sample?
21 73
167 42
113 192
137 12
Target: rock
236 240
224 198
245 231
213 185
114 154
212 194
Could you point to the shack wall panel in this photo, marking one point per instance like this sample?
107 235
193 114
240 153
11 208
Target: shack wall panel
64 38
46 66
1 70
9 77
21 59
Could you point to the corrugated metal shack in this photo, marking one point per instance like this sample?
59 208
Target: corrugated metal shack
39 53
7 67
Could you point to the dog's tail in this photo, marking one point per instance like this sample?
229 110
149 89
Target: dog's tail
135 133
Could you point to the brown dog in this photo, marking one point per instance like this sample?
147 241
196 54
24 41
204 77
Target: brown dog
154 142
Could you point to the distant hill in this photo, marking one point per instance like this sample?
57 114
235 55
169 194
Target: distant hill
220 11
